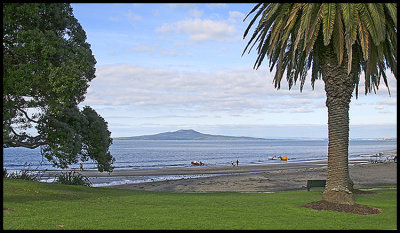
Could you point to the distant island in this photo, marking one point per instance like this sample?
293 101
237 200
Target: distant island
185 135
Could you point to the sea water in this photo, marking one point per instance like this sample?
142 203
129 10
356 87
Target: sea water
153 154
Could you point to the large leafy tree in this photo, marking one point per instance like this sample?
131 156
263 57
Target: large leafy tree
337 41
47 65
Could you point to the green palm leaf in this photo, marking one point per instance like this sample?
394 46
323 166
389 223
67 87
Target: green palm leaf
304 24
376 12
364 38
392 9
325 37
328 15
368 20
338 37
313 33
292 36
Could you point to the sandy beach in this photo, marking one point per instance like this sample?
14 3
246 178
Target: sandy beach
254 178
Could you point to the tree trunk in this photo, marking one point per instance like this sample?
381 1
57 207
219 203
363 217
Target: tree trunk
339 87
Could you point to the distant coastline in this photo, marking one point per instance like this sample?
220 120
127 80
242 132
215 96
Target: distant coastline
191 134
186 135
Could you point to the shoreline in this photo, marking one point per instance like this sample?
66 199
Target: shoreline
362 174
197 170
249 178
285 175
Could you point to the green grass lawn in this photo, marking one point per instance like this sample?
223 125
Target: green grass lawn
35 205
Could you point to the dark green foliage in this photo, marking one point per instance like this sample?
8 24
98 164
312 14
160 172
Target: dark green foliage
24 174
293 36
72 178
338 42
96 140
47 65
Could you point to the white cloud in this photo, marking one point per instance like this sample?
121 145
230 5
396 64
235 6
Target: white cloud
156 13
386 112
181 5
217 5
140 48
236 16
235 91
151 49
195 13
114 18
390 102
129 16
132 17
302 110
202 29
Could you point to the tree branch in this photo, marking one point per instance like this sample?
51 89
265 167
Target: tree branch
26 115
32 143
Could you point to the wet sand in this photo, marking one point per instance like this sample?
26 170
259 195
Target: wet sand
254 178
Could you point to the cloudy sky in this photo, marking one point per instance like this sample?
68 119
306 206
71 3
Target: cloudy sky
165 67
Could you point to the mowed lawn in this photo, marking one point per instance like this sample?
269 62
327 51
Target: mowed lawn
35 205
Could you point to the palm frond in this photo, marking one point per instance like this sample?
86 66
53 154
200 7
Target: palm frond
368 20
279 70
294 36
328 17
280 20
252 10
377 13
390 57
338 37
349 19
314 29
392 9
304 71
291 21
371 69
261 10
304 24
293 13
267 15
262 51
350 23
364 38
383 74
252 22
275 33
315 68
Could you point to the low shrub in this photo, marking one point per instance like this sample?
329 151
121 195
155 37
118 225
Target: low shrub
72 178
25 174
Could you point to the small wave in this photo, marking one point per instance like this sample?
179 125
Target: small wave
109 181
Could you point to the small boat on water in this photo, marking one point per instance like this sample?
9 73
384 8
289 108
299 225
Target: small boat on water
197 163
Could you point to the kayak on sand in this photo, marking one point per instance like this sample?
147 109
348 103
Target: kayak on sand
197 163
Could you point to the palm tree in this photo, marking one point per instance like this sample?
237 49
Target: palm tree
337 41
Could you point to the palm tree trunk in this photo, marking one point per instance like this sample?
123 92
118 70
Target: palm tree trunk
339 87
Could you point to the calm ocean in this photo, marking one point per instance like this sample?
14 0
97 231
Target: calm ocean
144 154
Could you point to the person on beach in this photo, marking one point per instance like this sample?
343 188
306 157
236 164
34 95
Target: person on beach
81 165
232 164
237 163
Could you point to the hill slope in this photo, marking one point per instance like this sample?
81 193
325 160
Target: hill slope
186 135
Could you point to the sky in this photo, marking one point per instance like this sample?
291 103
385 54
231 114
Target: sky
165 67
